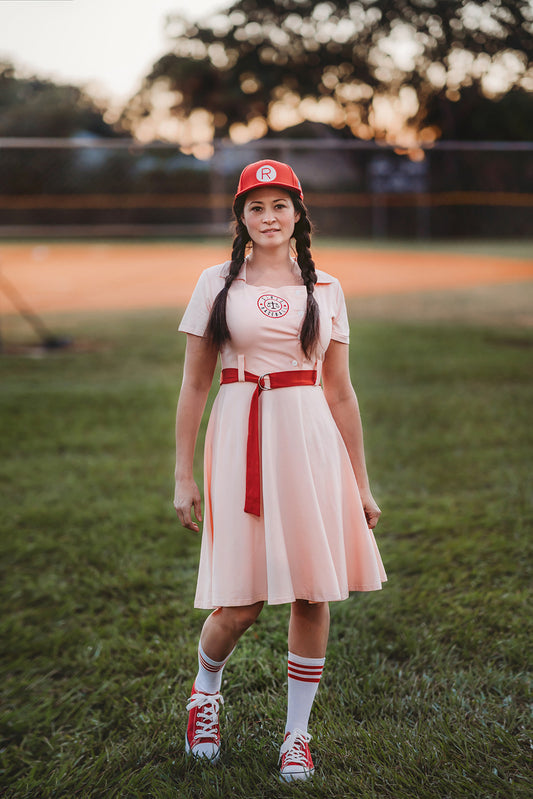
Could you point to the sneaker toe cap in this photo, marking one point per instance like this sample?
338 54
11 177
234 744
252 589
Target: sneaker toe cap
209 750
296 772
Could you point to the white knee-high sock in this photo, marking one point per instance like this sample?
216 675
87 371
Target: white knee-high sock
304 676
209 677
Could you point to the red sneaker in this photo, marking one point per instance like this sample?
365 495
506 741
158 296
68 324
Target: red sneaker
203 730
295 757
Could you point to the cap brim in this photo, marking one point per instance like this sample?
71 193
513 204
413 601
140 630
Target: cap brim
272 185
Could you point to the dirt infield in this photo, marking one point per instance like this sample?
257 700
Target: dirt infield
107 276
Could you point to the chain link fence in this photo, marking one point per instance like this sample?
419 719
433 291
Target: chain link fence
87 187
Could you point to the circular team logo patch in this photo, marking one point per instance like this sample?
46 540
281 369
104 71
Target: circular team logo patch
266 173
272 306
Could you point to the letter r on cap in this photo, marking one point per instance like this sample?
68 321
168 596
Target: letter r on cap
265 174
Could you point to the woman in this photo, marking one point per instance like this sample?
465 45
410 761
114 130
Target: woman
288 508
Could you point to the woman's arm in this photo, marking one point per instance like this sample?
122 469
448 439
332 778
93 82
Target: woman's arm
344 407
198 370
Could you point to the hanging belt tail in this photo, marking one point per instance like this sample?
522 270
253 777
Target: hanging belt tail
266 382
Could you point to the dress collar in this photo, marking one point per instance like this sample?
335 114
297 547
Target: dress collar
322 277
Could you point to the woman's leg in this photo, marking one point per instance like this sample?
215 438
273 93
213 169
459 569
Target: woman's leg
309 628
223 628
221 631
308 638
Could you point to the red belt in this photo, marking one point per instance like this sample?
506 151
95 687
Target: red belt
273 380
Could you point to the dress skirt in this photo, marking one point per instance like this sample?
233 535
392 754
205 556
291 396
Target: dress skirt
311 540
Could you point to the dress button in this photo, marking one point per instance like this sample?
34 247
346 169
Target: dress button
294 363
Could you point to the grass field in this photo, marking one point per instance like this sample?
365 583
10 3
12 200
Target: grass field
426 691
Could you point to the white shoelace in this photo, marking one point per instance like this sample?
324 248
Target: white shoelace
294 748
207 717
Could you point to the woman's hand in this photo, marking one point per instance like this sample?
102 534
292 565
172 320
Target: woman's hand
371 509
186 497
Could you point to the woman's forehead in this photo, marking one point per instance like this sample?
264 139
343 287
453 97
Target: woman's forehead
269 194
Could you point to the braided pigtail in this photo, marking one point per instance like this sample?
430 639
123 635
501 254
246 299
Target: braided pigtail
217 330
311 323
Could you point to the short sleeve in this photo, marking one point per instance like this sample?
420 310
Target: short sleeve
340 325
196 314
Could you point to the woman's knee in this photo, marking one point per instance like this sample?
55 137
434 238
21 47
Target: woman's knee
242 617
302 607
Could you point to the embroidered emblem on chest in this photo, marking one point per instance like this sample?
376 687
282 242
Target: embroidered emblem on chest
272 306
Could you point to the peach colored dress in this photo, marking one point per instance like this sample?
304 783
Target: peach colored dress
311 540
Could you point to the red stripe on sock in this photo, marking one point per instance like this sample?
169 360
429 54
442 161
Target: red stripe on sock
209 666
306 669
309 669
302 673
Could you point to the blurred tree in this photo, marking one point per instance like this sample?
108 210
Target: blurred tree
242 65
36 107
477 118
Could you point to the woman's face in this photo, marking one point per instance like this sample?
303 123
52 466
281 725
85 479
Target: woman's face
269 216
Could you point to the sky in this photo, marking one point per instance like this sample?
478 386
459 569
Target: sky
109 46
106 45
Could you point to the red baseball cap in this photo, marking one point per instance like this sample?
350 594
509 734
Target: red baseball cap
268 173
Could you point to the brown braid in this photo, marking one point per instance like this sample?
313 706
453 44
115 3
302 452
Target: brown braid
217 330
311 323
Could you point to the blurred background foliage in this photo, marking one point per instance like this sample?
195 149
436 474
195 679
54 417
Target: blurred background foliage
449 69
310 83
33 106
243 65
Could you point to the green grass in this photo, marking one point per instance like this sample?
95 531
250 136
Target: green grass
426 690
